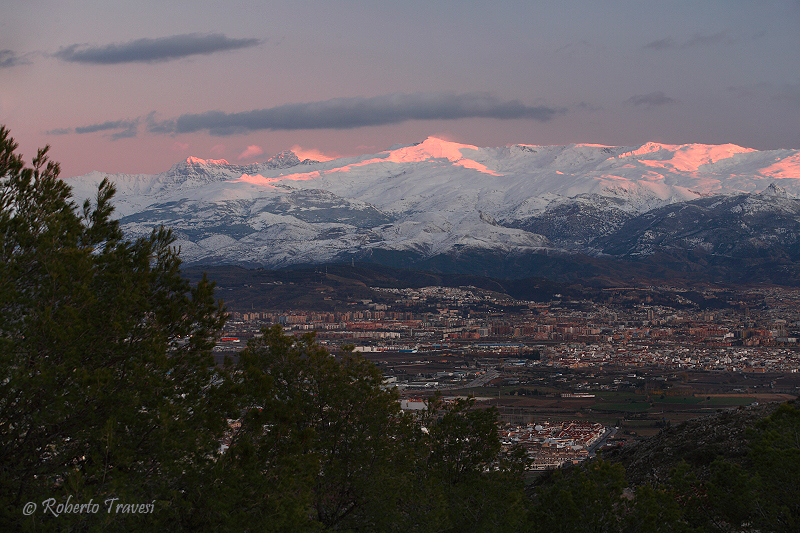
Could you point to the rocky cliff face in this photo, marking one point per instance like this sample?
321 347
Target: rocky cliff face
698 442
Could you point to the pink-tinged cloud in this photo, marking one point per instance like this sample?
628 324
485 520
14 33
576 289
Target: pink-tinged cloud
313 154
179 146
218 149
250 152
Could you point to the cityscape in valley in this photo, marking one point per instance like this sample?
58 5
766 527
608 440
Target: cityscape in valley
569 373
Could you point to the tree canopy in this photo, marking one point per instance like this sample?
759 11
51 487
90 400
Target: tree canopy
107 385
109 392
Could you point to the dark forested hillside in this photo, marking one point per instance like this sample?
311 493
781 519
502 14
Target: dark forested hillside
736 470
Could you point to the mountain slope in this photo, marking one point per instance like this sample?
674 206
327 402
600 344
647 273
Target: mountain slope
435 199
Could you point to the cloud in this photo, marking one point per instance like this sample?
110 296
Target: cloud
128 133
250 152
312 154
575 48
128 129
586 106
650 100
707 40
153 50
9 58
349 113
110 125
156 126
661 44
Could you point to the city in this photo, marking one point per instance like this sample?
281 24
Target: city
621 368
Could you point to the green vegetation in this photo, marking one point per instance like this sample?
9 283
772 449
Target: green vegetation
729 400
759 492
107 384
595 499
633 407
687 400
617 396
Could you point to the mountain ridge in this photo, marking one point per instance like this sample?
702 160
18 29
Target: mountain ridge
434 199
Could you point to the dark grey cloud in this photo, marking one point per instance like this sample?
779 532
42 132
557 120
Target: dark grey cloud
159 126
127 129
153 50
127 133
650 100
575 48
662 44
349 113
708 40
9 58
586 106
110 125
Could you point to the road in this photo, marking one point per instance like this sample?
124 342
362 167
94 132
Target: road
610 432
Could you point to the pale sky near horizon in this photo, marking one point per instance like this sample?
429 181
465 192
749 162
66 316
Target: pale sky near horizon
135 87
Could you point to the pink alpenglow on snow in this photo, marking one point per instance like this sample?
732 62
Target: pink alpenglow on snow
431 148
197 161
687 157
784 169
312 153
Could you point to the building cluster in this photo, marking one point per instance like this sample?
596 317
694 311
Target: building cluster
551 445
548 444
760 335
556 355
675 357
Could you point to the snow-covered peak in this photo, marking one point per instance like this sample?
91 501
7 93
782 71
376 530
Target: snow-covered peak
685 157
775 191
197 161
431 197
195 165
462 155
430 148
284 159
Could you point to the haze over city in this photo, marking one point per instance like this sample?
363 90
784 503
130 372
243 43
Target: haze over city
121 87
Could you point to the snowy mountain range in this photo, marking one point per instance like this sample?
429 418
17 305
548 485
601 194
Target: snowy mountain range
440 199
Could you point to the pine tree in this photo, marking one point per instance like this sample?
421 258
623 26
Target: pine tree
107 383
319 437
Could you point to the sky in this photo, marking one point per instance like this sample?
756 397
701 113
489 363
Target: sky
134 87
